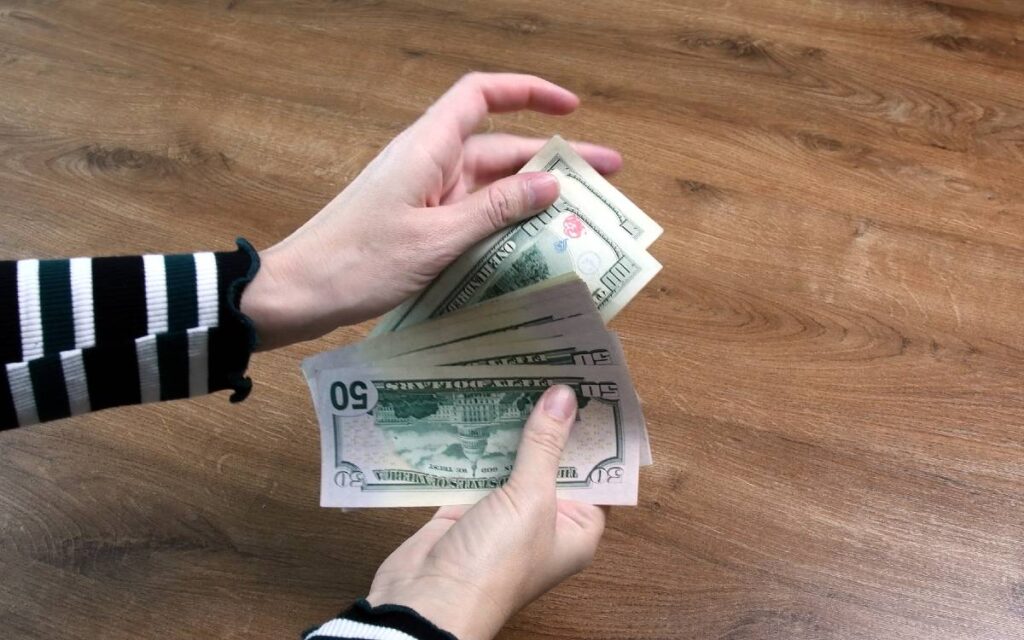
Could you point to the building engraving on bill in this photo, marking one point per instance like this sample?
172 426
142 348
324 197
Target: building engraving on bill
473 416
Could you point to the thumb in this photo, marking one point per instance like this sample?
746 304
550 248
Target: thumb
500 204
544 437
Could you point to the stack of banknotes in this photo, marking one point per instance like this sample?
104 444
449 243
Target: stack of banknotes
429 409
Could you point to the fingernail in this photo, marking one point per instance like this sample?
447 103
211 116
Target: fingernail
543 189
560 402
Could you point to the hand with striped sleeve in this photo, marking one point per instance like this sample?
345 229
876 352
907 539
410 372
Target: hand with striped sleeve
470 568
432 193
90 333
86 334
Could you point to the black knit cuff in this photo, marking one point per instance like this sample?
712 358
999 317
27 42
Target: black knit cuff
391 616
234 339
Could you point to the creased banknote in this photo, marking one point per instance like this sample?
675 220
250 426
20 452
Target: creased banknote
579 233
429 409
448 435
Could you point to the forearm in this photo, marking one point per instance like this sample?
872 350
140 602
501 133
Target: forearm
91 333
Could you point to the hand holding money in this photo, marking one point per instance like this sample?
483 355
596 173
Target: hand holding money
429 410
432 414
496 381
449 571
435 191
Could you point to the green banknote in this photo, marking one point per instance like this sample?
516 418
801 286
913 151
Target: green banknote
429 409
594 193
448 435
594 349
532 307
574 344
578 233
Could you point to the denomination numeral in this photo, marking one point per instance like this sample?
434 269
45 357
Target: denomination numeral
598 357
346 478
349 396
610 475
604 390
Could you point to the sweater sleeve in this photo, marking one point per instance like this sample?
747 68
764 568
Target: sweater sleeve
383 622
86 334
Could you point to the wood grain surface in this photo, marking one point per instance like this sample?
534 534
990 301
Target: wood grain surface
831 361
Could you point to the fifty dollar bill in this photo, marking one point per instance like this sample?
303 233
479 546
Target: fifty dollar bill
448 435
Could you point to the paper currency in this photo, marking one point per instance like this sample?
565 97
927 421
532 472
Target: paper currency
448 435
536 305
574 346
581 232
429 410
594 193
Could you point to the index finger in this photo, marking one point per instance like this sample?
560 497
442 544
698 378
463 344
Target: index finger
467 103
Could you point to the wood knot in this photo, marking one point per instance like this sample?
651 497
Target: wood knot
603 91
29 18
904 344
526 25
739 47
695 187
954 42
818 142
102 159
109 159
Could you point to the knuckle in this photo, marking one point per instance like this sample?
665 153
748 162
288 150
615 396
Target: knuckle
413 231
511 496
471 78
429 238
591 520
526 503
584 557
545 436
501 206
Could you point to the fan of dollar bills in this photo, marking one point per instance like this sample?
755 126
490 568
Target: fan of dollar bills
429 409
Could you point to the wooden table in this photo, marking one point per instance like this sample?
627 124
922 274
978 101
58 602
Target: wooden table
831 361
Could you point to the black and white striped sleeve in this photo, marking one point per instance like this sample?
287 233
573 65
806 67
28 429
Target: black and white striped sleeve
362 621
86 334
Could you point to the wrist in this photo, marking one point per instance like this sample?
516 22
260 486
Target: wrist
277 302
451 609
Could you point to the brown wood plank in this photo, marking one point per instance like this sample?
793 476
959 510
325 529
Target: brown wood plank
831 361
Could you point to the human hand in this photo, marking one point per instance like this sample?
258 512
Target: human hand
432 193
470 568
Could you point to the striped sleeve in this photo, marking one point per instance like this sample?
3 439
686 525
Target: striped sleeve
91 333
384 622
